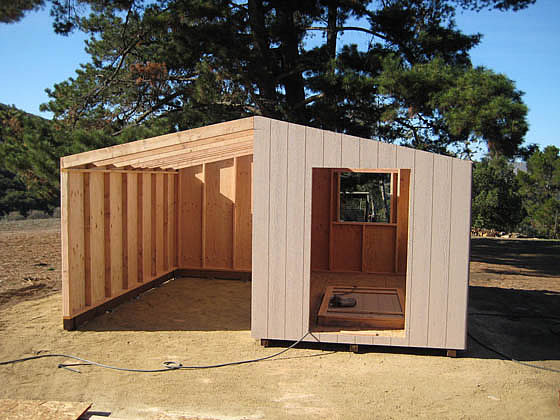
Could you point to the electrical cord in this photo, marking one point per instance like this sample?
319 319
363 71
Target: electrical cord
167 365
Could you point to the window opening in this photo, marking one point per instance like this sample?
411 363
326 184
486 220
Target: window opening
365 197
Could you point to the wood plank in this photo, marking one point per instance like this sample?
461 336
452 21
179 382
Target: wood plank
65 251
213 153
132 228
87 241
387 155
313 158
245 151
157 142
347 247
456 336
403 201
153 225
107 231
97 236
171 227
175 152
124 226
116 233
332 149
439 275
165 223
405 159
369 154
350 151
191 180
119 171
76 265
294 231
176 230
261 216
234 216
41 409
320 217
146 227
140 227
243 213
277 229
379 248
204 216
158 223
421 258
219 182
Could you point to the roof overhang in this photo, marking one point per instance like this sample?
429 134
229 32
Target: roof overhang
173 151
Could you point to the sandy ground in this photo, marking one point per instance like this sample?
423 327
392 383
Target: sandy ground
514 301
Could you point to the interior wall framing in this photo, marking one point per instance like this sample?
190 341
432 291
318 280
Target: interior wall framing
215 223
118 233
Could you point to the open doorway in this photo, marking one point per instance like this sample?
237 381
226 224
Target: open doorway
359 239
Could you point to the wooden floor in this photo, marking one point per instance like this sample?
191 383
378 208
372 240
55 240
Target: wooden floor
320 280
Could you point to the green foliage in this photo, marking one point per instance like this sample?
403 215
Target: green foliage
14 10
540 187
159 66
28 162
496 202
187 63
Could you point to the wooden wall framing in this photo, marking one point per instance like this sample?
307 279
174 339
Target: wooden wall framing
118 233
215 207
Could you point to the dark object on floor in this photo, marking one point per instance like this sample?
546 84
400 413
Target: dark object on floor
337 301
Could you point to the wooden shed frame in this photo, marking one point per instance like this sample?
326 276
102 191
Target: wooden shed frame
236 199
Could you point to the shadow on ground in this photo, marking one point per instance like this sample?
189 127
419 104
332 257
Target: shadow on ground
538 257
522 324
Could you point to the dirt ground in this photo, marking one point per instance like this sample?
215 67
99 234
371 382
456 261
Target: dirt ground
514 303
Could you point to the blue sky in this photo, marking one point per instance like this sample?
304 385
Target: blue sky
524 45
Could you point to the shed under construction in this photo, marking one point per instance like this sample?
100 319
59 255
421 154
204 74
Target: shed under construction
353 240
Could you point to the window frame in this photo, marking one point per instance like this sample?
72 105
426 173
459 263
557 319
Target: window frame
394 172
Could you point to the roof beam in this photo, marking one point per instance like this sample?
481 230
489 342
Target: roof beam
185 149
217 151
149 154
157 142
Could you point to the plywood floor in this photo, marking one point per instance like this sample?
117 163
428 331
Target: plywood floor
321 279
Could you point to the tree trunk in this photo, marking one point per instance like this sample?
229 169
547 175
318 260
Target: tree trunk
292 77
264 61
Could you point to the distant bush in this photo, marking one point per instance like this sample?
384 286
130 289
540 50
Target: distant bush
38 214
14 215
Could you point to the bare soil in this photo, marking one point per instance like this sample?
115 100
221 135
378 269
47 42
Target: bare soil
514 306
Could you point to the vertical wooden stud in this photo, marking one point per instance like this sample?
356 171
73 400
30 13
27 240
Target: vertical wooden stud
140 228
97 235
124 216
87 243
107 232
116 231
132 228
153 223
75 220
